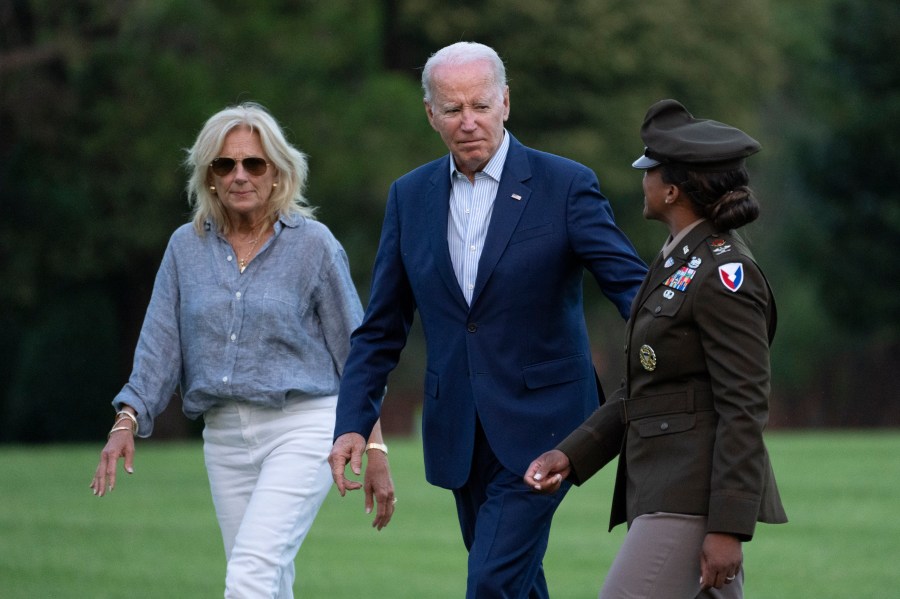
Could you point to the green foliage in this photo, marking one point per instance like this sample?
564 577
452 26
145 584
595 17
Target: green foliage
582 74
99 99
858 207
60 359
156 535
138 87
91 179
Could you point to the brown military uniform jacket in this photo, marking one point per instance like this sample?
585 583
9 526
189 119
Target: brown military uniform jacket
688 422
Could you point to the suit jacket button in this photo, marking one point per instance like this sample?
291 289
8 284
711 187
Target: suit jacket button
657 310
472 327
664 426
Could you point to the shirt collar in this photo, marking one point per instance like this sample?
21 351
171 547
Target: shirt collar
283 220
494 167
673 242
289 220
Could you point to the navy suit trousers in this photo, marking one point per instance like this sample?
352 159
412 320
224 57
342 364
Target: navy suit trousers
505 527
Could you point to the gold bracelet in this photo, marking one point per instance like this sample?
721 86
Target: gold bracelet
122 415
379 446
119 428
128 420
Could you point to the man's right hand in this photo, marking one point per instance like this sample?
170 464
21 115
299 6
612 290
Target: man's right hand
348 448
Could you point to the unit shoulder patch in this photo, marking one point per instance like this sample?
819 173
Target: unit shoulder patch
731 275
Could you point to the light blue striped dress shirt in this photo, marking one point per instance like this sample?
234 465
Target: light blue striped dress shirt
471 205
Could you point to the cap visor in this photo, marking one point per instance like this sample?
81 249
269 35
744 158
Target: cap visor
644 163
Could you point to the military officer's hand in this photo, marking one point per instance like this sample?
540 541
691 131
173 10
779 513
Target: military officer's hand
720 560
545 474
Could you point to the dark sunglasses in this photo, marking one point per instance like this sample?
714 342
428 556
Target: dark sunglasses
223 165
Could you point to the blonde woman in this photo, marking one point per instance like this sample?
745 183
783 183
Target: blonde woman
251 316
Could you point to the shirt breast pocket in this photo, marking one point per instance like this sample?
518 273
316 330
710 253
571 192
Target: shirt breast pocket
275 319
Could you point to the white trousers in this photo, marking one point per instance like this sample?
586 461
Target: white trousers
268 474
660 559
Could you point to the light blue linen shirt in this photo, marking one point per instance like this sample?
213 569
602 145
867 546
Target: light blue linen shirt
279 330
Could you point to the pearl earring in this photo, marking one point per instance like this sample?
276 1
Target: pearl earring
212 188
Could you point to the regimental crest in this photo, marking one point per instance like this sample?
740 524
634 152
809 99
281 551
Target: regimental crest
718 246
732 275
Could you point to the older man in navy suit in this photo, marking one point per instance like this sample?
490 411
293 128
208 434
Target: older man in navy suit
489 244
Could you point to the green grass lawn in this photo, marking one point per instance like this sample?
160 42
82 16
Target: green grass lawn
156 535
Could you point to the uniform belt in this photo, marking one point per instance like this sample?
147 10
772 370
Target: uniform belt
690 400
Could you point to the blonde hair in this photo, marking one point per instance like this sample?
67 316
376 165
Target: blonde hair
290 162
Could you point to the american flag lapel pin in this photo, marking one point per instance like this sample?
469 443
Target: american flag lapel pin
516 197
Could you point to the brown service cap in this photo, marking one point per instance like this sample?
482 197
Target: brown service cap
672 134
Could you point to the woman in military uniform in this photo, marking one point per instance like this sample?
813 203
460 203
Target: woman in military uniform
693 472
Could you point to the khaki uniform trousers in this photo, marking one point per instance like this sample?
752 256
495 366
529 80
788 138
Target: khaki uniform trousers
660 559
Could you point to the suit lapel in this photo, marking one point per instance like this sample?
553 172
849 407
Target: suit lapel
640 297
679 257
659 273
437 202
512 197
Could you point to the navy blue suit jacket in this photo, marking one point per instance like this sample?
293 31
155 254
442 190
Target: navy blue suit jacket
519 355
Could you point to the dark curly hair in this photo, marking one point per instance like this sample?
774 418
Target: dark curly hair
723 197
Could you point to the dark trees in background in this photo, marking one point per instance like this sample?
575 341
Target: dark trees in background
98 100
846 235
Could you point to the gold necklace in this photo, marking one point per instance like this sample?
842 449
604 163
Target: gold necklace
242 262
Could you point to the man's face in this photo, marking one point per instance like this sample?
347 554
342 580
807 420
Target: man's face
468 110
